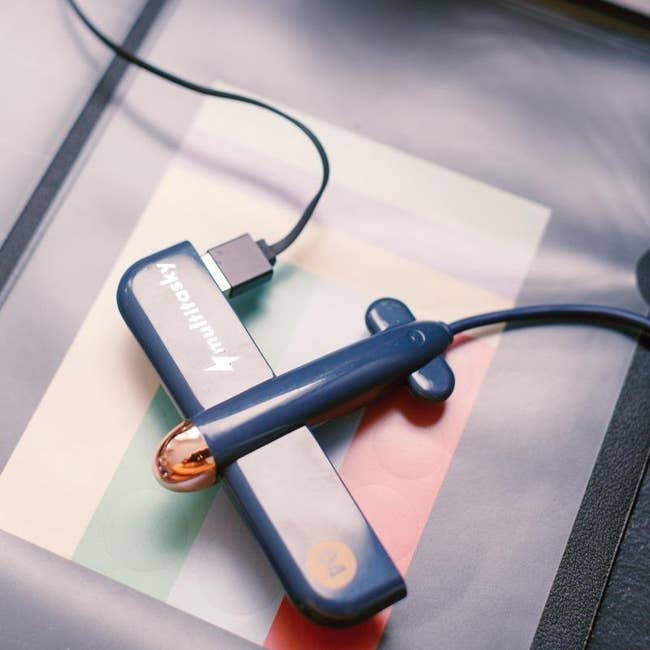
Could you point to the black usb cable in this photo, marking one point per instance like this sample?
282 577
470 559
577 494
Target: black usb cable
243 261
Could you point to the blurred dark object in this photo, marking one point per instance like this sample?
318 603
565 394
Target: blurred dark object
631 17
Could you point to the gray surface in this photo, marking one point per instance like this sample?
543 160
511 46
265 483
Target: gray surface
49 66
92 223
476 90
72 607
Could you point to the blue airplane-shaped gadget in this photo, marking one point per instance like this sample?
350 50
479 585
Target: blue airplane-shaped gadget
248 427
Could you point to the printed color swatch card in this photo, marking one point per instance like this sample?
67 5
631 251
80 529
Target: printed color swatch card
389 225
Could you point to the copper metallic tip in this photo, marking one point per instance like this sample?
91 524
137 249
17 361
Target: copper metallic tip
183 462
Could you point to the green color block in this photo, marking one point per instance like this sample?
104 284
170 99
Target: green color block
140 533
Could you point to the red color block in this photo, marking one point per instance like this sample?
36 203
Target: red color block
394 468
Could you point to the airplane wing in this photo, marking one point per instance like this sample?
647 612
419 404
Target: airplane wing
328 558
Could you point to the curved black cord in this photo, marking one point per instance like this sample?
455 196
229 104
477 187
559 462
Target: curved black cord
554 312
290 237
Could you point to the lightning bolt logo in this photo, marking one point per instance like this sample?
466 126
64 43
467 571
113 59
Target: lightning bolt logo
222 364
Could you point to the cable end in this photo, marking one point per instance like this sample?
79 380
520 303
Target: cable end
268 251
240 264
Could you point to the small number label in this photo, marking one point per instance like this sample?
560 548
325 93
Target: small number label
331 564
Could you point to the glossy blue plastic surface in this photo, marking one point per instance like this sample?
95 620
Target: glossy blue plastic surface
290 495
183 322
298 509
274 407
435 381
